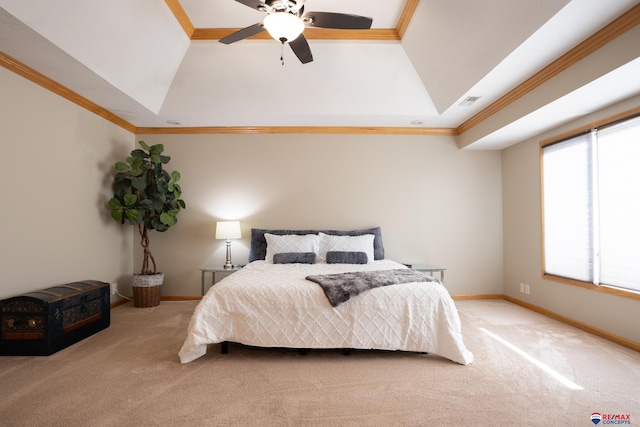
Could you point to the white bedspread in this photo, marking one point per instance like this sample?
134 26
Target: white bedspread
272 305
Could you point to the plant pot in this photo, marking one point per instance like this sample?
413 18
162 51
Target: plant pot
146 289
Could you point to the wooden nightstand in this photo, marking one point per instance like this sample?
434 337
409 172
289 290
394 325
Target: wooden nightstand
214 272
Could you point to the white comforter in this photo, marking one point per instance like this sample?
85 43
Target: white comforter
272 305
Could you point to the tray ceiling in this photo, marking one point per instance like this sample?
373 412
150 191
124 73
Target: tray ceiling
158 64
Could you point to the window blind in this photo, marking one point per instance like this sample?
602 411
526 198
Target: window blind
619 204
568 214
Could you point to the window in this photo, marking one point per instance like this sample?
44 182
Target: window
591 206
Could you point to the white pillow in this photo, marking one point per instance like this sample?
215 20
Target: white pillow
290 243
363 243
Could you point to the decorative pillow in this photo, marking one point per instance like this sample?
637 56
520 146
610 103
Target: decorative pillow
343 257
295 258
258 248
290 243
330 243
378 248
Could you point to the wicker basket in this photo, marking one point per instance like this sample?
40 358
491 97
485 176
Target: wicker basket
146 290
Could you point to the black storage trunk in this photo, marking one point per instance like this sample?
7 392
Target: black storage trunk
42 322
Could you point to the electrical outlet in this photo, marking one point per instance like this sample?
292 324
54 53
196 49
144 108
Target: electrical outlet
522 288
114 289
527 289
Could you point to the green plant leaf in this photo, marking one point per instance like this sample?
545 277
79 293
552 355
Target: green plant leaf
177 191
136 162
167 219
139 183
156 149
144 145
130 199
122 184
132 214
139 153
121 167
114 203
158 204
175 176
117 214
155 158
121 176
156 224
145 204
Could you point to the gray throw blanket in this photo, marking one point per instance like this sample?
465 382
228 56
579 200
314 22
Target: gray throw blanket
340 287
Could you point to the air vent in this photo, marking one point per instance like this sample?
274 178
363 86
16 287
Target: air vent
469 100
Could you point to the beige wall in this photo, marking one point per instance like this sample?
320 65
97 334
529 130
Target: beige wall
435 203
522 243
54 224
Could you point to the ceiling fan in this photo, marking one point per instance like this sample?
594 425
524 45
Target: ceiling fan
286 20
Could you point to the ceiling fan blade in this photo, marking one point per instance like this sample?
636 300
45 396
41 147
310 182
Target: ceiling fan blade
337 20
243 33
253 4
301 48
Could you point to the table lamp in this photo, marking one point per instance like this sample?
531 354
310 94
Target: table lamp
228 230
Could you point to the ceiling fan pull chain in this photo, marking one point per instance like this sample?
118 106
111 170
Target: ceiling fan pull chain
282 51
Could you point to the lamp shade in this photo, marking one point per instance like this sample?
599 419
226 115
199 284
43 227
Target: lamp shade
228 230
283 26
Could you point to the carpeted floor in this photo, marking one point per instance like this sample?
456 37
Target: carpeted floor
129 375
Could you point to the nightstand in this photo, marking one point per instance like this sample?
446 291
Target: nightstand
429 269
214 272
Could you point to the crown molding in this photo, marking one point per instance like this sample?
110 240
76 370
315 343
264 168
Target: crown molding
322 130
374 34
40 79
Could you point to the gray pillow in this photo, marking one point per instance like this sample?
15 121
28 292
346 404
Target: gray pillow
342 257
295 258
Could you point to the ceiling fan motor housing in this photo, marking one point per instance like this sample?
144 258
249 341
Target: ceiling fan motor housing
290 6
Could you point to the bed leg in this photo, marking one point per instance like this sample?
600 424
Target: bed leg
224 347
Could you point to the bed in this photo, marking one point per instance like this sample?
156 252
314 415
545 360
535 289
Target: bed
274 301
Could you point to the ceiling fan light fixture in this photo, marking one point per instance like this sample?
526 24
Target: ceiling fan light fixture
283 26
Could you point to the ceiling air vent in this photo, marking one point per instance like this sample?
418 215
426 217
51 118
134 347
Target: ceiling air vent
469 100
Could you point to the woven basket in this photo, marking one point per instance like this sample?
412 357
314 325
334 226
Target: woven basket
146 290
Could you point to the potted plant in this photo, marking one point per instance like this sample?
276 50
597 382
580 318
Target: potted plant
147 196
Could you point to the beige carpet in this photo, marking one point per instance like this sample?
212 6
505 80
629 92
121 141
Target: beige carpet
129 375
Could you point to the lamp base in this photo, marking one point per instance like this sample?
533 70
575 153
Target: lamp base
228 265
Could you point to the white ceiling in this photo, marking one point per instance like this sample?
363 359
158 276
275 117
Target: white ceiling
134 59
